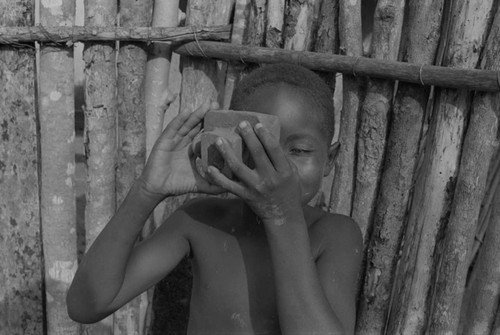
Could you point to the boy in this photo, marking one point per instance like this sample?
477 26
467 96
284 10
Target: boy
263 263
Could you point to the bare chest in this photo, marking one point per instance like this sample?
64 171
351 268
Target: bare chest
233 287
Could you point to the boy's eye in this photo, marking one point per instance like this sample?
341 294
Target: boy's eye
299 151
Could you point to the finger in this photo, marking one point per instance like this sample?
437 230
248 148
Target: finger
214 105
166 99
172 129
272 147
194 119
254 146
196 145
221 180
204 184
235 164
188 138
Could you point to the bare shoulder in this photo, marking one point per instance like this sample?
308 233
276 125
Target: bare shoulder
334 231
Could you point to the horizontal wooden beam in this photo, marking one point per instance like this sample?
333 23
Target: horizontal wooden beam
16 35
471 79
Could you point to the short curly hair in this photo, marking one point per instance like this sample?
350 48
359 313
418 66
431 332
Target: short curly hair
307 81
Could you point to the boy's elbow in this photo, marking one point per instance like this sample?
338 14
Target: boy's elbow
80 312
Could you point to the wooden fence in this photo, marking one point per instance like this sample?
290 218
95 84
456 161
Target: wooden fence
418 168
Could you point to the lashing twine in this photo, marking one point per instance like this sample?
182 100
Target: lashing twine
420 75
198 42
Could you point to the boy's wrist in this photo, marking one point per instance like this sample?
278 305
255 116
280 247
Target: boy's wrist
290 215
141 187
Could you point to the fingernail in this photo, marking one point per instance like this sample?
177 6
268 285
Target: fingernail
219 142
243 124
258 126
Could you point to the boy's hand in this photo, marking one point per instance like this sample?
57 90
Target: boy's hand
272 189
172 168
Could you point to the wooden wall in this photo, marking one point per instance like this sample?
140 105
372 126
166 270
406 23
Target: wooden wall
418 167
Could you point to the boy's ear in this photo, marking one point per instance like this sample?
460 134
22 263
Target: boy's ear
332 154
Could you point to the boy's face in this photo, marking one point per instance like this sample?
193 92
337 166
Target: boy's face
302 138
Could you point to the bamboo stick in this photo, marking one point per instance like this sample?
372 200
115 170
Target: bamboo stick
57 129
21 307
350 39
141 33
132 59
374 114
479 145
397 178
451 77
436 177
100 130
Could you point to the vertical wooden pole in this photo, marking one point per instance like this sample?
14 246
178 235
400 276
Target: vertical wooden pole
388 22
204 79
436 177
100 129
421 36
165 14
201 80
256 24
132 59
274 23
21 307
240 26
301 24
350 40
496 325
313 26
479 144
57 129
484 297
327 41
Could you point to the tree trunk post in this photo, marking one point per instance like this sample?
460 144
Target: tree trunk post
436 177
132 59
57 129
274 23
100 130
327 41
479 145
423 24
388 23
350 39
240 29
21 268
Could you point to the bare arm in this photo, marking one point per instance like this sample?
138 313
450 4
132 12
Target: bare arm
321 297
113 271
311 298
